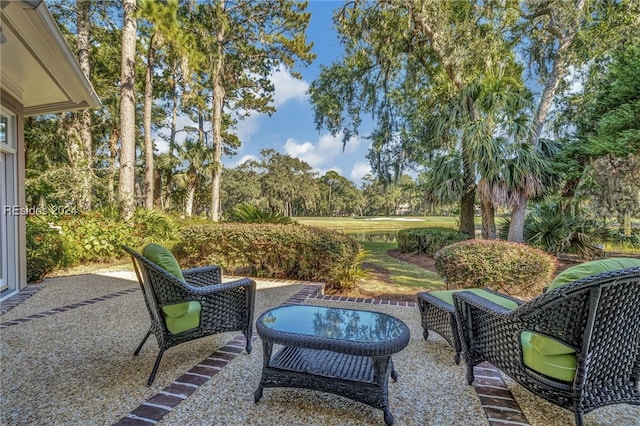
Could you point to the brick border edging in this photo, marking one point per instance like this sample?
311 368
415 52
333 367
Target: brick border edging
62 308
496 398
18 298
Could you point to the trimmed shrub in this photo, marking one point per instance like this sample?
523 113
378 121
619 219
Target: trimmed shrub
45 248
428 240
274 251
503 266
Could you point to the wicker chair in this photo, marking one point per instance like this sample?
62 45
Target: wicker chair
597 316
224 306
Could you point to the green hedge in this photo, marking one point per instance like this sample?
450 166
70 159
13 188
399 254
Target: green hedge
428 240
55 242
45 248
274 251
503 266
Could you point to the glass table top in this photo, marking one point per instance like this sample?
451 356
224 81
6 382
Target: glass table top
336 323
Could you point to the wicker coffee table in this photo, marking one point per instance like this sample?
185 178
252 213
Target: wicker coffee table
343 351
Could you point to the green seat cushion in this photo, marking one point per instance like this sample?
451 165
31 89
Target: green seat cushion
165 259
447 296
188 321
586 269
548 356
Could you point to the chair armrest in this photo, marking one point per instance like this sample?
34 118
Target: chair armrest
506 296
222 287
203 276
478 302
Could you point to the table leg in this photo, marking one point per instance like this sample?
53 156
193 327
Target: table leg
267 348
381 366
394 373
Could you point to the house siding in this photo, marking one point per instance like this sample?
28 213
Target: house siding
15 107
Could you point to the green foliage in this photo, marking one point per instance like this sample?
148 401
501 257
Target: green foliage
45 248
557 229
274 251
631 242
97 236
428 240
154 226
94 236
249 213
503 266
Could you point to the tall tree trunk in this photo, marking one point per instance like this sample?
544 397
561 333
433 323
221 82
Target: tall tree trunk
191 195
127 110
216 124
558 71
148 141
488 220
83 22
425 21
113 154
166 194
468 200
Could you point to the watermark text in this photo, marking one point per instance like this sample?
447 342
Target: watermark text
39 210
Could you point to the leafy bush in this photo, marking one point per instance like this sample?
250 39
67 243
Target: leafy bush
503 266
249 213
428 240
557 230
154 226
45 248
272 250
621 241
94 237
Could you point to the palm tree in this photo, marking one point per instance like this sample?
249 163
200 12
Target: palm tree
196 159
488 140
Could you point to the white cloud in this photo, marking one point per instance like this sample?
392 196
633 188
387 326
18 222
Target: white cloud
288 87
249 126
359 170
246 158
322 152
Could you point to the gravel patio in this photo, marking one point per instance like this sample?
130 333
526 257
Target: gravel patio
67 359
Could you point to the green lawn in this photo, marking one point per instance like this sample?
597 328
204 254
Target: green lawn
378 223
401 273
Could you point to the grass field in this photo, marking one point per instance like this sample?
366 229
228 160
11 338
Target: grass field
386 274
394 223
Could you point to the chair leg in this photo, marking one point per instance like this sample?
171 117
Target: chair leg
470 375
247 335
579 419
137 351
152 377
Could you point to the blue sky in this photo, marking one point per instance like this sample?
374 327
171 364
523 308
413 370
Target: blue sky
291 129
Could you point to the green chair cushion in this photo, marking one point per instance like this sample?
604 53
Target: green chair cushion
447 296
188 321
586 269
165 259
548 356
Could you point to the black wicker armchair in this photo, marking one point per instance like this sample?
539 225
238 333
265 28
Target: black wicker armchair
590 328
222 307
